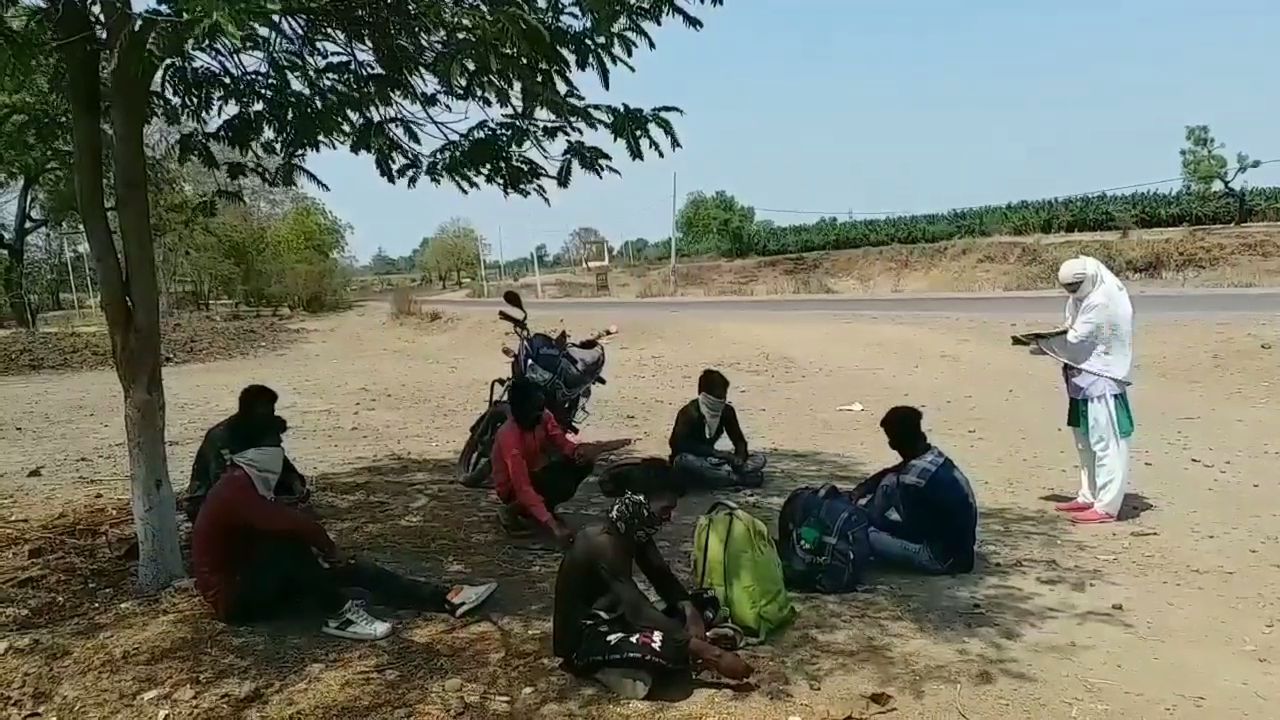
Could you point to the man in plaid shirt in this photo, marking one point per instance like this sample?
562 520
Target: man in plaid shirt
923 512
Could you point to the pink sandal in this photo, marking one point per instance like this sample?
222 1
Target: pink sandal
1091 517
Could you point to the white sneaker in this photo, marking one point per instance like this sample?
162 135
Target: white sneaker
626 683
353 623
462 599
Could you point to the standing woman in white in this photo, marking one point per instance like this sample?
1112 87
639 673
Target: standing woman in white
1097 356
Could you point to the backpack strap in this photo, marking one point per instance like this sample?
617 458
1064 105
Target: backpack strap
706 541
723 504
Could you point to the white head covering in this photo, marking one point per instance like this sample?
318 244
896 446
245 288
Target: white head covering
1099 318
264 466
1080 270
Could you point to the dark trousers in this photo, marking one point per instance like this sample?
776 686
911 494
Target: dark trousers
558 481
611 641
285 578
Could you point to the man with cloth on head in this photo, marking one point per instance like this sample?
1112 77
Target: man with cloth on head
1096 351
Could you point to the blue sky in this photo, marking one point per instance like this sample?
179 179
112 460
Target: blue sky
877 105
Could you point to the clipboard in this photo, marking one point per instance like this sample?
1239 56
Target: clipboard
1029 338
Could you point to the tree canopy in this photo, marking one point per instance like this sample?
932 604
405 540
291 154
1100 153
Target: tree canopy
472 94
35 153
454 249
469 93
716 224
1205 168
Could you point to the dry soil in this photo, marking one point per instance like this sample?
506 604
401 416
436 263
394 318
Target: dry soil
1169 614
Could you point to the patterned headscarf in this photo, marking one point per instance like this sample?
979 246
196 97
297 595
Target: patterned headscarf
634 518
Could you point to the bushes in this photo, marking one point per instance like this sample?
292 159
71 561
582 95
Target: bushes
315 286
1091 213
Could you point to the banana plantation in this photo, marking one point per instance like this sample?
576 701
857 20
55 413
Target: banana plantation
1085 213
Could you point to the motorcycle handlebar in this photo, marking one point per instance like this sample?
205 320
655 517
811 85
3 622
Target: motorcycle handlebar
510 318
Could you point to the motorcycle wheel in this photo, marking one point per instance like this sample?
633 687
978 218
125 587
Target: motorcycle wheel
474 465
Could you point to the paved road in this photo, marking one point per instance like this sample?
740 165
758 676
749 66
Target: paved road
1174 303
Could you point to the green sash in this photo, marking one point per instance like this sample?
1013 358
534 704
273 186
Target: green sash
1078 414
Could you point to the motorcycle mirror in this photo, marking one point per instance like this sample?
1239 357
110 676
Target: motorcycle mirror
512 298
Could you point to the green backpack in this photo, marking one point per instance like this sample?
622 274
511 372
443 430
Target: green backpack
735 558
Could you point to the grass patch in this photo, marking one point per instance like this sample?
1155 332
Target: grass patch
654 288
816 284
476 290
727 290
576 290
405 306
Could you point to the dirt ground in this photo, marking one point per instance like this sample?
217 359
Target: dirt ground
1167 615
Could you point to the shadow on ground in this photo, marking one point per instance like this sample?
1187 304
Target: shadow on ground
99 652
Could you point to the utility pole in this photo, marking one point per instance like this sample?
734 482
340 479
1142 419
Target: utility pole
502 262
71 275
88 277
484 272
537 274
673 233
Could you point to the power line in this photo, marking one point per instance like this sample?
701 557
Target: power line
883 213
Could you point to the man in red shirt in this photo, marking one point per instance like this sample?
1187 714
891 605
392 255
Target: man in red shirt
536 467
258 559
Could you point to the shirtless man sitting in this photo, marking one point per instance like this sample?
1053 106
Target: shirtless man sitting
606 627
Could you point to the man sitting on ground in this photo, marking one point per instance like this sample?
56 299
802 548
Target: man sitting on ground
257 407
536 467
923 512
603 624
699 425
257 559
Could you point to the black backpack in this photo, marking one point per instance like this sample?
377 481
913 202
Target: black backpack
822 540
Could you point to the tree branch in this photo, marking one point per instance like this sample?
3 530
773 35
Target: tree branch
34 225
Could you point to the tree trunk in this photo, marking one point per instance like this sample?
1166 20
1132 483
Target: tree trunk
131 307
154 509
15 289
1242 206
14 281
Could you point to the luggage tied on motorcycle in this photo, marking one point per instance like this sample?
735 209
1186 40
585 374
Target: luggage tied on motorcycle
735 558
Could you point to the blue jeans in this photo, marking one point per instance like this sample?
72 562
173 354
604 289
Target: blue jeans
890 549
717 472
895 551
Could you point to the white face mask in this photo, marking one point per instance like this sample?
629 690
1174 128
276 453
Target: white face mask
712 408
264 466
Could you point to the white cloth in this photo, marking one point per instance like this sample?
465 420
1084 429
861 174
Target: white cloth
1104 458
1099 321
711 407
264 466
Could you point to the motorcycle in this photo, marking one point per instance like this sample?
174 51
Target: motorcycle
566 371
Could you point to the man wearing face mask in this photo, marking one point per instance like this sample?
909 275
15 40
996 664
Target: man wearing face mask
698 426
256 558
1096 352
256 407
605 627
536 467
